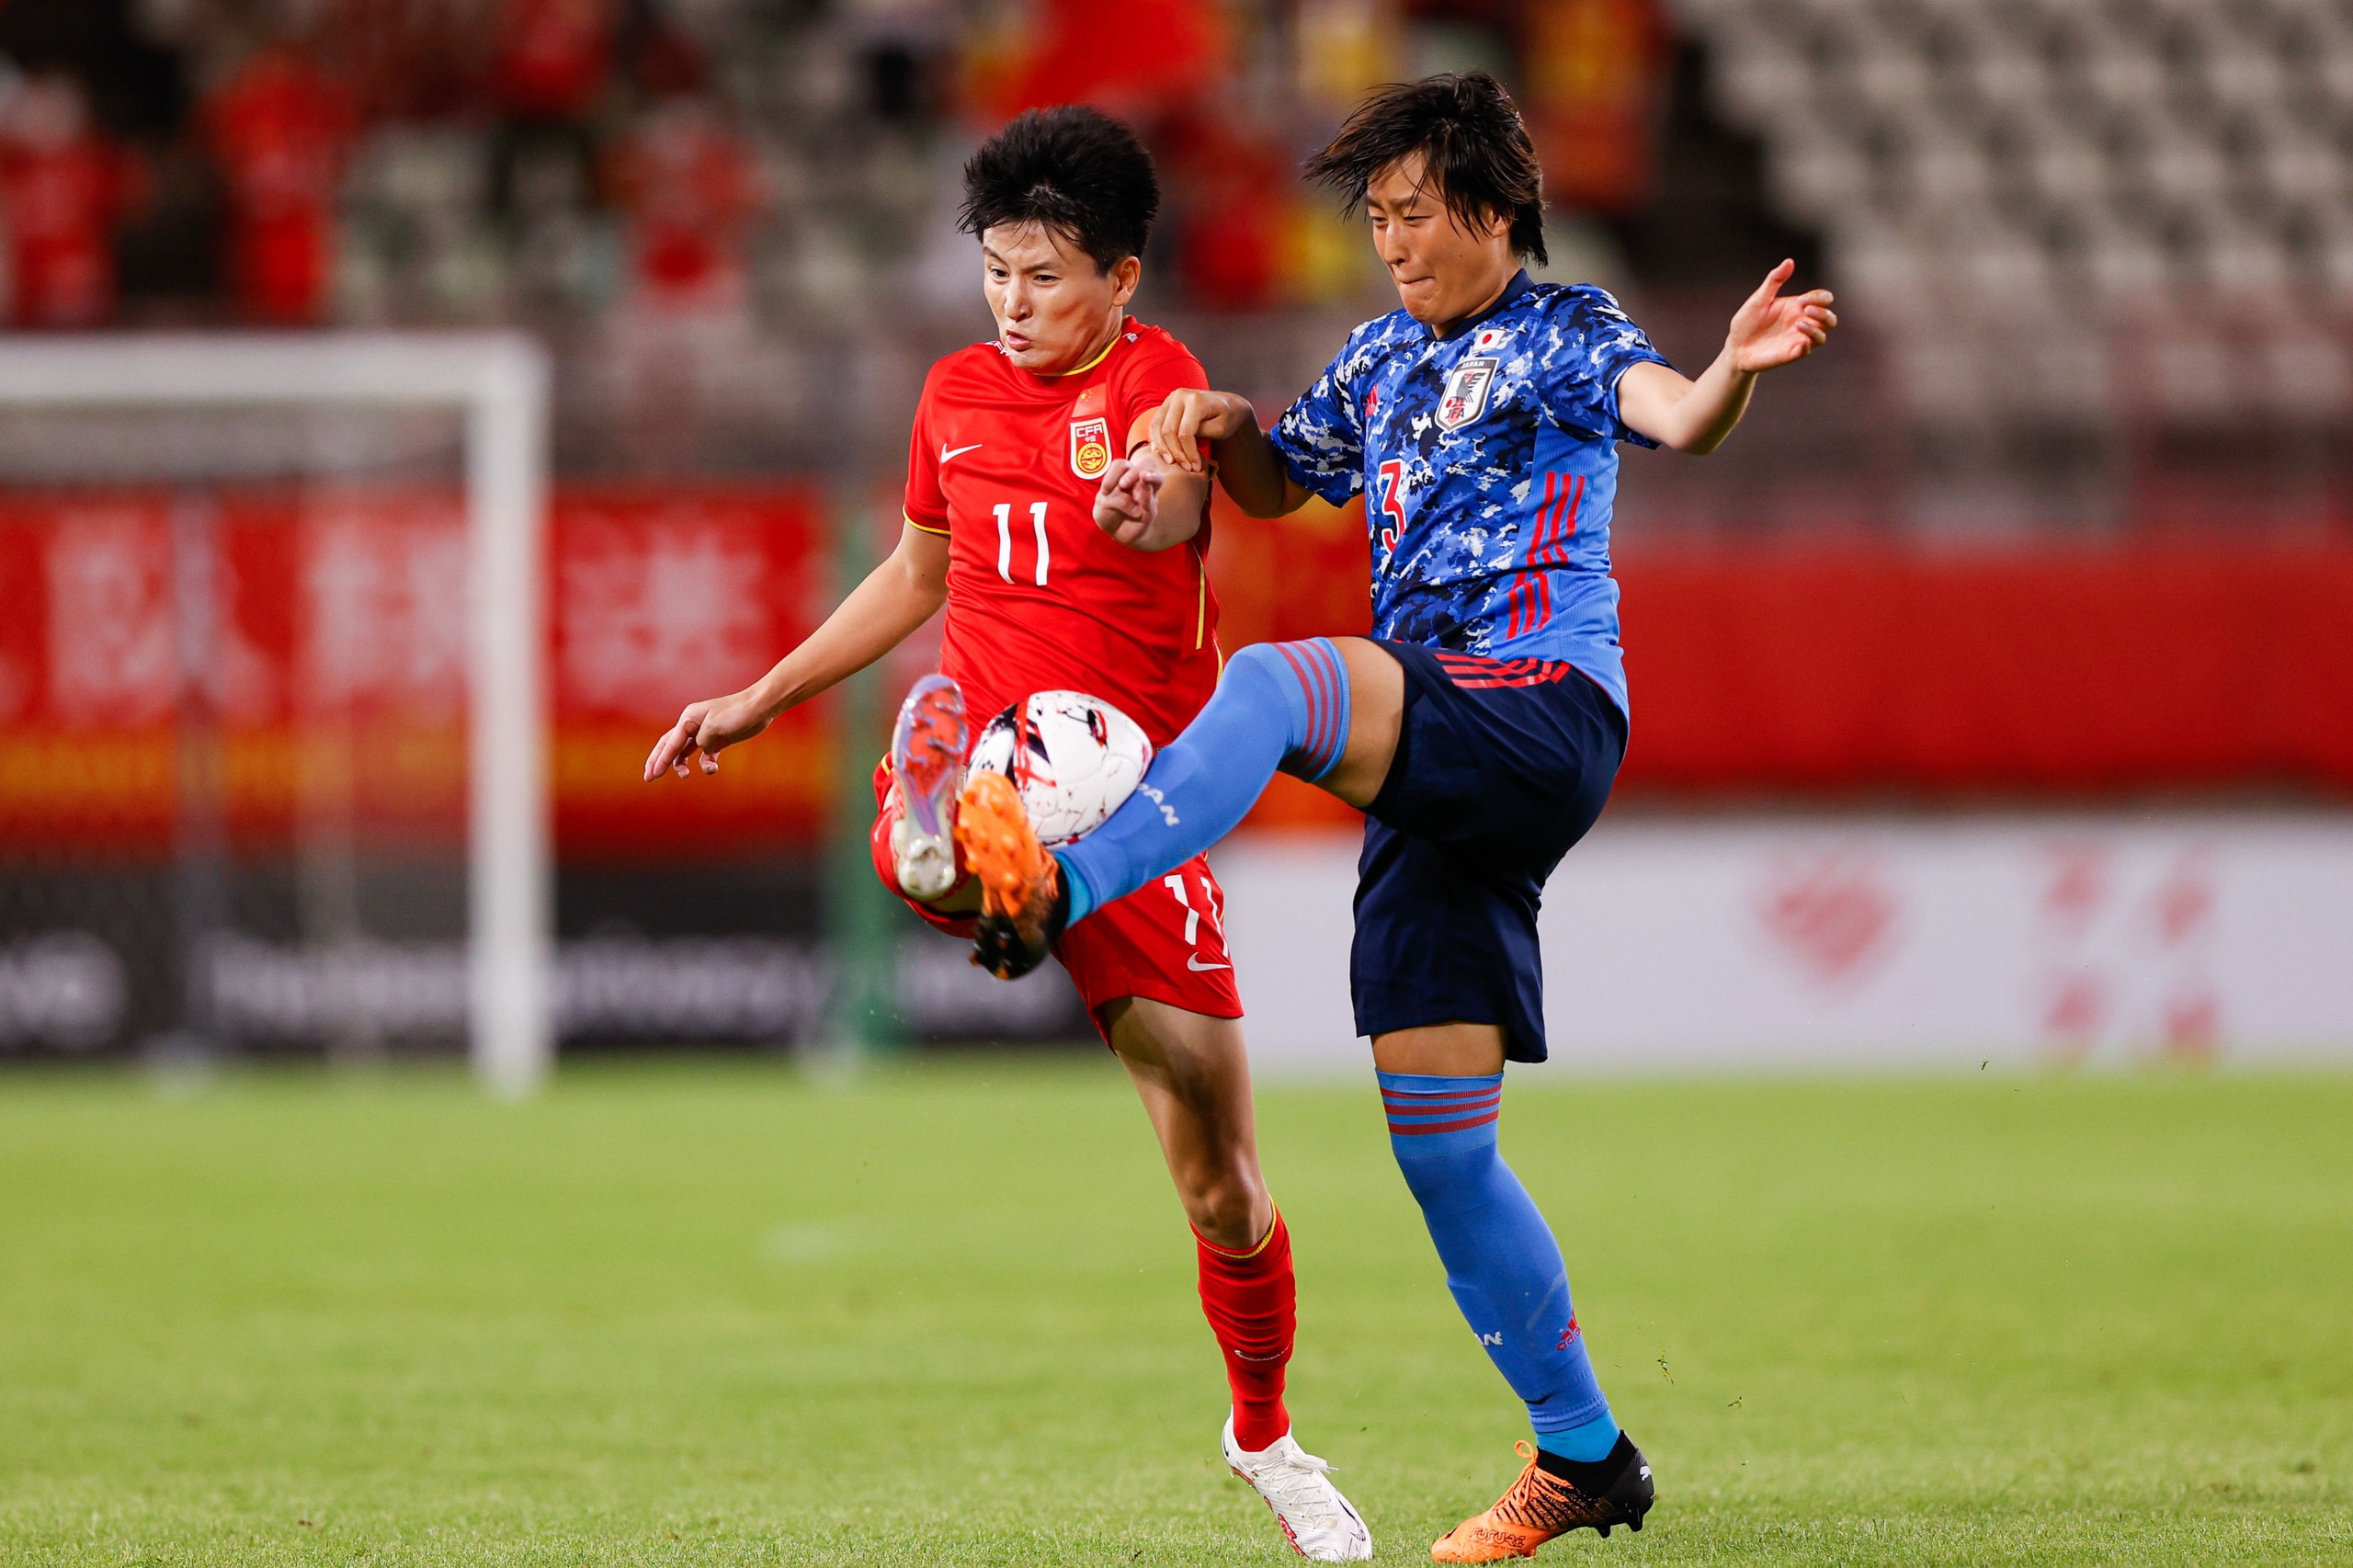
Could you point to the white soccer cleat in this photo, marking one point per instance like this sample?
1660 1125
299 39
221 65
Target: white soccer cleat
928 763
1318 1522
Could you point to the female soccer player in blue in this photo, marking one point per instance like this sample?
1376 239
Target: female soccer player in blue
1479 728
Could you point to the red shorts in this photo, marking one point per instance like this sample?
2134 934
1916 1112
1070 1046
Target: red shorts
1165 942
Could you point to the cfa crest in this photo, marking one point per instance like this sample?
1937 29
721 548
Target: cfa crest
1090 447
1467 386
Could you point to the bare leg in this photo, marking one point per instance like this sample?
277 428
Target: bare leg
1376 710
1194 1080
1444 1050
1193 1075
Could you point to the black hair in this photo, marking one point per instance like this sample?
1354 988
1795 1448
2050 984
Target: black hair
1475 152
1075 170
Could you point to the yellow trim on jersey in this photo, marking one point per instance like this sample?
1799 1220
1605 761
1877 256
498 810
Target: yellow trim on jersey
1082 370
923 527
1201 605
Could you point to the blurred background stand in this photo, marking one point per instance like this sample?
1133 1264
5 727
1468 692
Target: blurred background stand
2058 537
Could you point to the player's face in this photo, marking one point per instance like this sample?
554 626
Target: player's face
1054 308
1443 271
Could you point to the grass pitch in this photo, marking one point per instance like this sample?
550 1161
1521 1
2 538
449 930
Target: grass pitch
716 1314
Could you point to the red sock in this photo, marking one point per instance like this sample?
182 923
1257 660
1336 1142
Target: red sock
1251 1299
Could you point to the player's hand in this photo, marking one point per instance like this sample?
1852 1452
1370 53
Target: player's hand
708 728
1769 332
1191 417
1128 503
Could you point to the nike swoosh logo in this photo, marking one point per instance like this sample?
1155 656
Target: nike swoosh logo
1193 961
947 451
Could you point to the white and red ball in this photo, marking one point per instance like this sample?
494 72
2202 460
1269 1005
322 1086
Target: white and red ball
1073 757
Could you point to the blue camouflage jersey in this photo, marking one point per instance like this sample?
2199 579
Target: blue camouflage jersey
1489 463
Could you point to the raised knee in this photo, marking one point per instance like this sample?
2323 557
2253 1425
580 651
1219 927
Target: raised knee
1230 1214
1312 681
1263 660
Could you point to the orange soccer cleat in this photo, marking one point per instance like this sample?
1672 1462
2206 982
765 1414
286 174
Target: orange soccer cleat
1541 1505
1022 901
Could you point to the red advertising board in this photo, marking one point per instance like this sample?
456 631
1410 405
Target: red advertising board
333 665
1882 669
2031 671
662 597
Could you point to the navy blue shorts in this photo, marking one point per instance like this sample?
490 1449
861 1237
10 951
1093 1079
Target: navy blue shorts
1501 766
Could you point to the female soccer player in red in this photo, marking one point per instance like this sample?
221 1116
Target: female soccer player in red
1011 438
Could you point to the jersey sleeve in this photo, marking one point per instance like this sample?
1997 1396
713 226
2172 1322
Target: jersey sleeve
1321 436
1592 343
926 503
1148 380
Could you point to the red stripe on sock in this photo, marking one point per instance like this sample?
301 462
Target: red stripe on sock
1427 1118
1299 668
1415 1129
1335 687
1401 1100
1326 665
1398 1119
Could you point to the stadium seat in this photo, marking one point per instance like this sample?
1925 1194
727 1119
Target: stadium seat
2060 156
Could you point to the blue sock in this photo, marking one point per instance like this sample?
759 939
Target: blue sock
1501 1261
1279 707
1587 1444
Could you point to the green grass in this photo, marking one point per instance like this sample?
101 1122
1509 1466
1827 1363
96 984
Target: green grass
714 1314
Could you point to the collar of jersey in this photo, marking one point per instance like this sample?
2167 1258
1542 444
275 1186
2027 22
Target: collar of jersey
1520 284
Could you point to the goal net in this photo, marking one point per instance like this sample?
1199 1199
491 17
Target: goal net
272 737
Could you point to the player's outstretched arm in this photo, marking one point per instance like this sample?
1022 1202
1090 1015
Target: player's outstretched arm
1246 463
898 596
1767 332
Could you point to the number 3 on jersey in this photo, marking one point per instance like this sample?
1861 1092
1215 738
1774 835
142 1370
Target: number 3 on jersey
1392 503
1005 539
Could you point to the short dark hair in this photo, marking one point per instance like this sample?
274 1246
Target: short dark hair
1074 169
1474 151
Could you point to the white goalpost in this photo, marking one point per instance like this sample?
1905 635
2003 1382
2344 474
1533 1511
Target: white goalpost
499 385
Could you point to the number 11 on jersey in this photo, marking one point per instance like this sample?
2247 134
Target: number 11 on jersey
1005 539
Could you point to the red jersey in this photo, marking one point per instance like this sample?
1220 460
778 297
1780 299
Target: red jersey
279 129
1007 463
62 201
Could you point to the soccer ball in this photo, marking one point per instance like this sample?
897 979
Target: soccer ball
1073 757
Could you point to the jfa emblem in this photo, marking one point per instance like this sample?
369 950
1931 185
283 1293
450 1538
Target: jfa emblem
1090 447
1466 392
